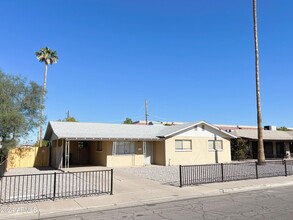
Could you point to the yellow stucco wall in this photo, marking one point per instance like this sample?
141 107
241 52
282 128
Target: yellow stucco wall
28 157
200 154
126 160
99 158
159 153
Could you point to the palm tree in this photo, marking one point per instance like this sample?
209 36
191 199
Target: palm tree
47 56
261 154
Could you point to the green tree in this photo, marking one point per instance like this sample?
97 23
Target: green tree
128 121
239 149
19 109
283 128
47 56
68 119
261 153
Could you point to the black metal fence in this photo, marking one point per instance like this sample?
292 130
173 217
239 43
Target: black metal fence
198 174
21 188
3 167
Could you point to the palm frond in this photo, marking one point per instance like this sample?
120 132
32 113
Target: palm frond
47 55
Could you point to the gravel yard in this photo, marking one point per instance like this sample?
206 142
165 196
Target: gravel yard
210 173
162 174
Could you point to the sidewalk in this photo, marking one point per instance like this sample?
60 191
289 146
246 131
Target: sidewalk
131 190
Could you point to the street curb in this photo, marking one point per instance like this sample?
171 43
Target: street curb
256 187
171 198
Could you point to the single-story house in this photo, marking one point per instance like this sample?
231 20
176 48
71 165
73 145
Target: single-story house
277 144
118 145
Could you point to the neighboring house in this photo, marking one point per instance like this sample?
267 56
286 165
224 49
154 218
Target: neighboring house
277 144
118 145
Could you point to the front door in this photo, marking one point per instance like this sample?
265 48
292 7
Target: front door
148 153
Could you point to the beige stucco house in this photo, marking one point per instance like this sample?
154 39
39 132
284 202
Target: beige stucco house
121 145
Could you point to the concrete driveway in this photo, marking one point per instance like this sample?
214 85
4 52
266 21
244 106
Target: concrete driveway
128 180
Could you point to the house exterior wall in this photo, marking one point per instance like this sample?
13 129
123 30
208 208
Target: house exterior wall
126 160
164 152
79 155
53 154
200 153
159 153
99 158
105 157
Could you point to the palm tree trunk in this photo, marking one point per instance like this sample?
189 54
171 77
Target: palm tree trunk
261 155
43 106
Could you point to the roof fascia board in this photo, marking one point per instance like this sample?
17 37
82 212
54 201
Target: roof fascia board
195 124
111 139
180 130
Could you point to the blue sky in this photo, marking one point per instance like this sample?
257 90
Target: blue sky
192 60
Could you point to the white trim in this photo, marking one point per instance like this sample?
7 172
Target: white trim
183 150
196 124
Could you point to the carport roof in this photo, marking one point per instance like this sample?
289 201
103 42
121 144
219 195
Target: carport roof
103 131
267 134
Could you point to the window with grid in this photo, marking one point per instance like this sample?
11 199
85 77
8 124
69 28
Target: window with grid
125 147
183 145
215 145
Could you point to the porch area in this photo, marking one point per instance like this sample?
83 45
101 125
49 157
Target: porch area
75 153
273 149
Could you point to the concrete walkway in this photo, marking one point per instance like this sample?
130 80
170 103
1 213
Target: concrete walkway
131 190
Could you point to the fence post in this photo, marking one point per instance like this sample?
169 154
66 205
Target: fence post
222 171
180 175
112 178
256 171
285 164
54 187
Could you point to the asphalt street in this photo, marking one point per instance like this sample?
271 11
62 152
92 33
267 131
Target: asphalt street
273 203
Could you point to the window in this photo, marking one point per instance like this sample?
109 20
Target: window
125 147
215 145
183 145
99 146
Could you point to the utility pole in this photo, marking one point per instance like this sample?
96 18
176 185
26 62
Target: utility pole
146 112
67 114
